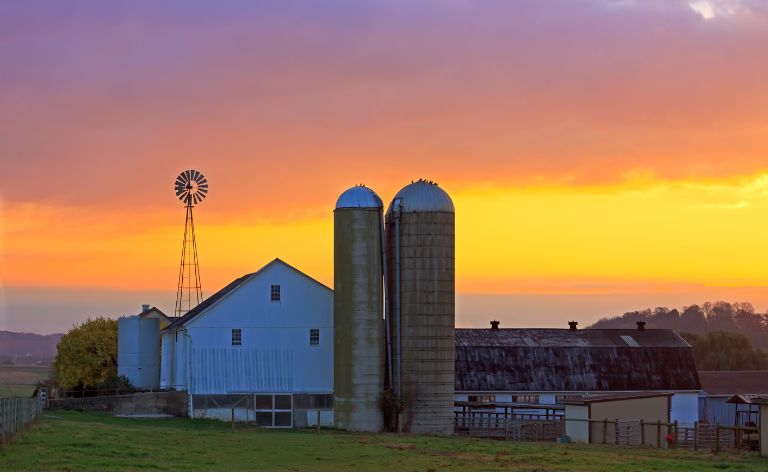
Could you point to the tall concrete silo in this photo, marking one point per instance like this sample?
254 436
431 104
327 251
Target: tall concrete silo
358 333
420 242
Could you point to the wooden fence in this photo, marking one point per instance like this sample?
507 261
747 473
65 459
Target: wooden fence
529 428
16 413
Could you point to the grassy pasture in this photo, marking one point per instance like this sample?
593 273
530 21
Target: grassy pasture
21 380
98 442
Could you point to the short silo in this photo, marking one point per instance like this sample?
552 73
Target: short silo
138 351
358 311
420 242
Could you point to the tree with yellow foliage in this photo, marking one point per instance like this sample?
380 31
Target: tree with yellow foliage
87 354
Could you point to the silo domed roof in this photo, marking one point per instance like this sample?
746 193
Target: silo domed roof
359 196
423 195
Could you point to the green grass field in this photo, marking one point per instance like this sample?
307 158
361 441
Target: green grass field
21 380
98 442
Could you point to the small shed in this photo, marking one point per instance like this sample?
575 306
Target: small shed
746 412
616 418
153 312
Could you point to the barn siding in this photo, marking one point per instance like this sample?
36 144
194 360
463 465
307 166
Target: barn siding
241 370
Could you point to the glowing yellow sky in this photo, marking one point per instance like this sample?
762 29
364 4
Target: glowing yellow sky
537 239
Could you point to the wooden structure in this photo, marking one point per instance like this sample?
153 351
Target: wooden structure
551 365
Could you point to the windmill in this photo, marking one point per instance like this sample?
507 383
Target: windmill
191 188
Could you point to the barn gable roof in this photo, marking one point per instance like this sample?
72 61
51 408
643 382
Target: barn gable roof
563 360
229 288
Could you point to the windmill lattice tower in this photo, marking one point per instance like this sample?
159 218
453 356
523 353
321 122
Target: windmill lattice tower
191 187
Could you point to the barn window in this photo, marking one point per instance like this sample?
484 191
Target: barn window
526 398
274 410
275 293
313 401
237 337
482 398
314 336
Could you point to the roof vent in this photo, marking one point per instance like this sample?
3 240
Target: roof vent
494 324
640 325
144 307
572 326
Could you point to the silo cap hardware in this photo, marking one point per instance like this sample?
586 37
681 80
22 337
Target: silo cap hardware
359 196
423 195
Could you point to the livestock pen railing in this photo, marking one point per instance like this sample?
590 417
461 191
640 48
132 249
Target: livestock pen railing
549 428
16 413
527 427
718 437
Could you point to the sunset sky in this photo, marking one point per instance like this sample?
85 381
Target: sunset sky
602 155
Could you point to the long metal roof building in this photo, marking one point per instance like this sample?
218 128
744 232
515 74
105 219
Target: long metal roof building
564 360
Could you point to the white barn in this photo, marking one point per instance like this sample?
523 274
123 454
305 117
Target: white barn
263 343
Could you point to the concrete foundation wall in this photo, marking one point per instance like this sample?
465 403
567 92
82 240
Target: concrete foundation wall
174 403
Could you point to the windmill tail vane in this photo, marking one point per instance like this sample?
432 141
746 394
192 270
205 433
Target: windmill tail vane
191 188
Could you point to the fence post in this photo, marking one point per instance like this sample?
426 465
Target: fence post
658 434
616 430
642 432
717 437
605 431
2 420
233 417
738 438
695 436
318 420
675 433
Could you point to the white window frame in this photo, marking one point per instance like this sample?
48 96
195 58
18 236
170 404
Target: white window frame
275 290
312 340
239 336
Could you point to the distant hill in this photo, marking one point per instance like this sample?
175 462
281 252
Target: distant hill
739 317
27 348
